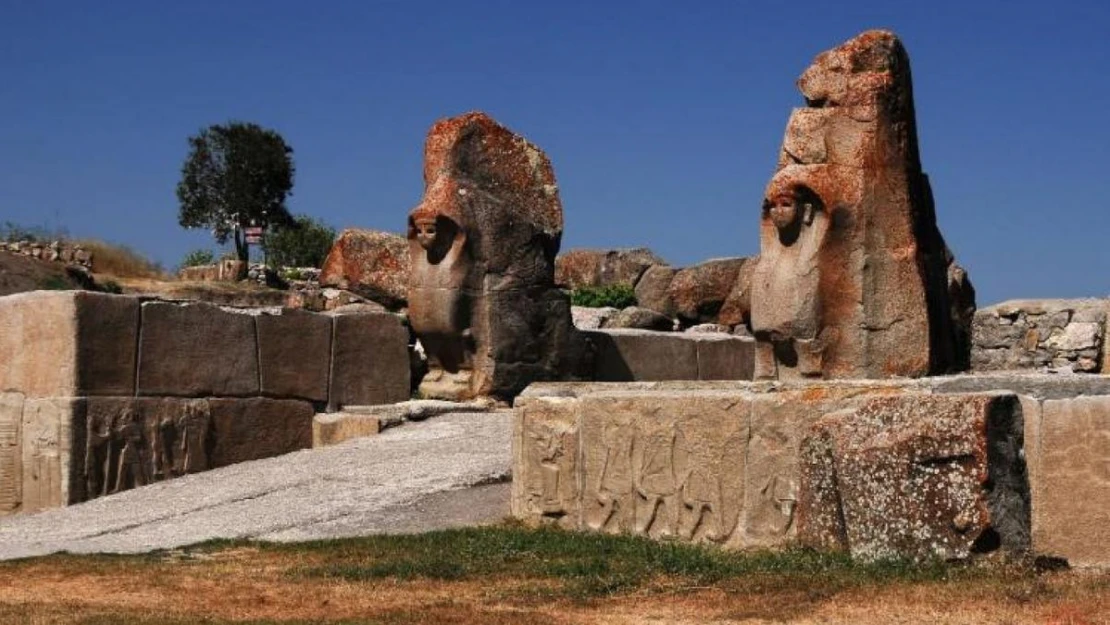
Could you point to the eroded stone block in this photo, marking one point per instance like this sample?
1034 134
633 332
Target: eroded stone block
250 429
197 350
1072 481
294 354
370 360
916 475
725 358
631 355
68 343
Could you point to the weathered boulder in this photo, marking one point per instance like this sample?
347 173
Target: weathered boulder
700 291
653 290
591 318
581 267
482 244
854 279
372 264
917 475
637 318
737 309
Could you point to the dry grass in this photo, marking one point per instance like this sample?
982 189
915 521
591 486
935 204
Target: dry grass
120 261
536 577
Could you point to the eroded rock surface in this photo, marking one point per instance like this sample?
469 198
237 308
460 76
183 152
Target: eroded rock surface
591 268
854 279
373 264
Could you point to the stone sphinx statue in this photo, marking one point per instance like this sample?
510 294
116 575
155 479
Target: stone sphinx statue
483 241
853 277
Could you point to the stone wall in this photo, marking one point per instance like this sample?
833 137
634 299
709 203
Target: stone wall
920 468
101 393
1061 334
55 251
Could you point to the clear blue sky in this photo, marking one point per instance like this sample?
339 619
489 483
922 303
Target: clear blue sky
663 119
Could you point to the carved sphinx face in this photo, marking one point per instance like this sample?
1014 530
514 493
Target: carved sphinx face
425 232
784 211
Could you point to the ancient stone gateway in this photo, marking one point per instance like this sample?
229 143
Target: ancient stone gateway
483 240
854 279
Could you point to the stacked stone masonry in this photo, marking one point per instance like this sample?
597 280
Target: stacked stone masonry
1041 334
938 467
101 393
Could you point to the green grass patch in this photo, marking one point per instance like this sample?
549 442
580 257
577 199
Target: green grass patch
590 565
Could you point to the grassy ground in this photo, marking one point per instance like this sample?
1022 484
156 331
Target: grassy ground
516 575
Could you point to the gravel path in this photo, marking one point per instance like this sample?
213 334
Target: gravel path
445 472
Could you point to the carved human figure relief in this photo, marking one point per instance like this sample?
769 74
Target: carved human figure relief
129 465
781 494
11 461
706 470
551 456
654 479
786 302
615 488
192 432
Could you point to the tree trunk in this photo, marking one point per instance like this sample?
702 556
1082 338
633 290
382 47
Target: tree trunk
241 248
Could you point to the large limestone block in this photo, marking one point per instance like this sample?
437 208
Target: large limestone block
671 468
251 429
1072 483
369 362
294 354
372 264
11 452
917 475
52 433
634 355
725 357
197 350
546 483
68 343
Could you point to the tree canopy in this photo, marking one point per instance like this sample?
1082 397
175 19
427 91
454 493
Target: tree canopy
305 243
235 176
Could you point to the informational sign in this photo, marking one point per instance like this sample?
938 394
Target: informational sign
253 234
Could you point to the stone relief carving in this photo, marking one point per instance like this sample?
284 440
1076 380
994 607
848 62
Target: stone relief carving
134 444
666 480
551 453
11 460
43 455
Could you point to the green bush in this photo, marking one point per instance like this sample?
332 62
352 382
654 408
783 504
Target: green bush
199 257
305 243
615 295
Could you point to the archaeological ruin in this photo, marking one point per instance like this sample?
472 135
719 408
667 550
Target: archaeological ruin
839 391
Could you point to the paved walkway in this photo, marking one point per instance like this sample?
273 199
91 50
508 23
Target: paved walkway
445 472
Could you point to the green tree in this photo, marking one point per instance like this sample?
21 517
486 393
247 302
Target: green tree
304 243
235 176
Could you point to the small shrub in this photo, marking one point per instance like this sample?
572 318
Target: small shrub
55 283
111 286
292 273
120 261
199 257
614 295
